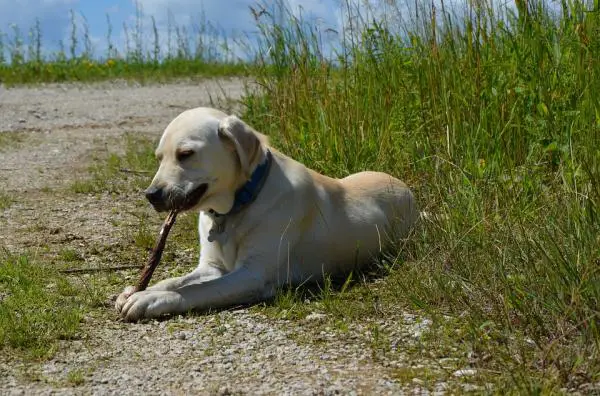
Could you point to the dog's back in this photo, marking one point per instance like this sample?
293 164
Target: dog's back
346 222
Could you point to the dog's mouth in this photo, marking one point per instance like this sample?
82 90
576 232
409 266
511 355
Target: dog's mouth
193 197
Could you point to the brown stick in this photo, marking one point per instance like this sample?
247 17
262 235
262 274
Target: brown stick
156 254
134 171
98 269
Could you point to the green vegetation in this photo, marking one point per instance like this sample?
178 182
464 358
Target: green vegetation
494 120
5 200
121 173
37 307
76 377
69 255
94 70
11 139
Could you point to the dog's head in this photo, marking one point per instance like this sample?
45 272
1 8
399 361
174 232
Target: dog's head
205 156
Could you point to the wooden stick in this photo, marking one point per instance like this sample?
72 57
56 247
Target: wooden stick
134 171
98 269
156 254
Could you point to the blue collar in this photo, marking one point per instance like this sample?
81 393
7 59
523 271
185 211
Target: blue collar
246 194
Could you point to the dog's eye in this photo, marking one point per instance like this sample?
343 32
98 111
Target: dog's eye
184 154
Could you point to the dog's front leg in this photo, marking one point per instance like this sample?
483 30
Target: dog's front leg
207 270
199 275
203 273
240 286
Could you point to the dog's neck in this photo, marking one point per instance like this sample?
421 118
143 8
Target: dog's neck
244 196
247 193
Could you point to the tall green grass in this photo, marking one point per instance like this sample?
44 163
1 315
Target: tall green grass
493 117
197 50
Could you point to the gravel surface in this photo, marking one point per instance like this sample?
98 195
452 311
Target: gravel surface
240 351
66 126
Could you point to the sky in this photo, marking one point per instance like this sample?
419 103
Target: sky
233 17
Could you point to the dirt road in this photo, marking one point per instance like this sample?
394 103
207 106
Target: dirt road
230 352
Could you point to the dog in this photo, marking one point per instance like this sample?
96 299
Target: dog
265 220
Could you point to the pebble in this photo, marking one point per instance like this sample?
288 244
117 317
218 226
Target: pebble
464 372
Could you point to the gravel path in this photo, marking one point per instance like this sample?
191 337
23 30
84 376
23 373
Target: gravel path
230 352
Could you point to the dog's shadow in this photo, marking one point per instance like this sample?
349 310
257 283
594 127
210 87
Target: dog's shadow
310 291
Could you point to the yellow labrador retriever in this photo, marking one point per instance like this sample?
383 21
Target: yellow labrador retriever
265 219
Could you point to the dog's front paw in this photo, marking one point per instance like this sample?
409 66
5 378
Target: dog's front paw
122 299
149 304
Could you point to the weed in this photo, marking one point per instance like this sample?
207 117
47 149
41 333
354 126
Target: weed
6 200
287 304
75 377
69 255
11 140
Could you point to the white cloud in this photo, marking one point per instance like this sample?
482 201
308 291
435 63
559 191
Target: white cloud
229 15
234 15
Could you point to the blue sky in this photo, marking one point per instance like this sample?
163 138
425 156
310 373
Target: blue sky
232 16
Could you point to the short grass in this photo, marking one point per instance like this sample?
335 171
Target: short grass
76 377
121 173
38 307
10 139
6 200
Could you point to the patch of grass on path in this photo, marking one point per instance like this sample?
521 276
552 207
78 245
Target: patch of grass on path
38 307
9 139
6 200
117 173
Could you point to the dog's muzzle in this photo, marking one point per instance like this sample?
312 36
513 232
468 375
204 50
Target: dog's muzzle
162 200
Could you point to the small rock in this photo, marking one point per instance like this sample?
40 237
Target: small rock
315 316
471 387
464 372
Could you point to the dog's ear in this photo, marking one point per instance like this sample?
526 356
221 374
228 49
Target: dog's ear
242 139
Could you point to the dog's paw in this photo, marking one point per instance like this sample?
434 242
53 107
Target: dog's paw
122 298
149 304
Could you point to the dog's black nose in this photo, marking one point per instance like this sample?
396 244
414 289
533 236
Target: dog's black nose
154 195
